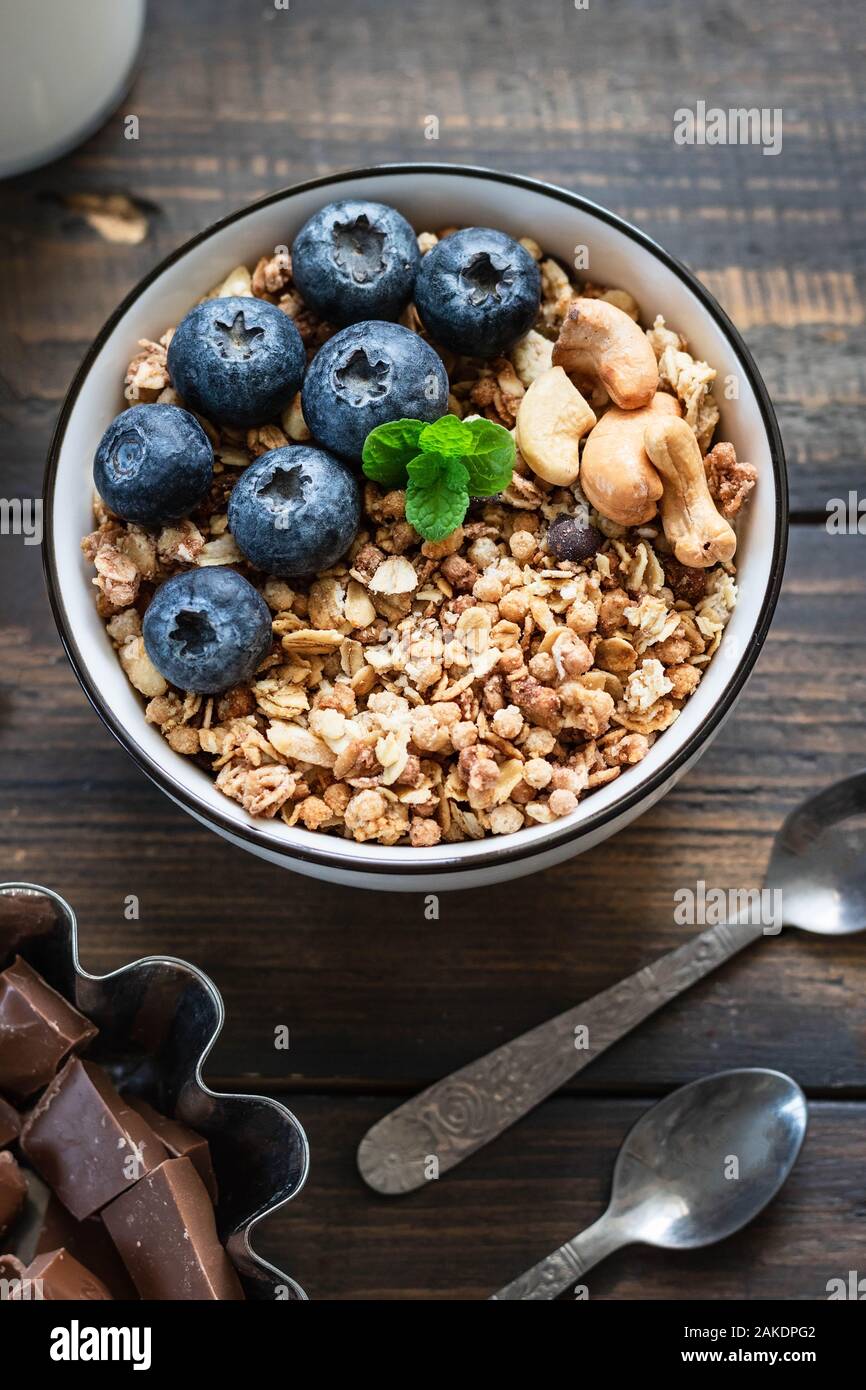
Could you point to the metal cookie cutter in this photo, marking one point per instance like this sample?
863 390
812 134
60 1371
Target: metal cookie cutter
158 1019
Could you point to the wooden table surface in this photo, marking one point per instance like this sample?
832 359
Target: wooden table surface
234 99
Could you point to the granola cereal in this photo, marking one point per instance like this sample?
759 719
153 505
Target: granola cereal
416 690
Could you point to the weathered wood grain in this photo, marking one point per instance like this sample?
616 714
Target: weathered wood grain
373 992
234 100
466 1235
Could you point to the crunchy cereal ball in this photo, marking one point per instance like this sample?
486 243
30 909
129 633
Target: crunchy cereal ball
567 779
483 552
428 734
337 797
278 595
582 617
511 661
364 810
315 813
463 734
481 784
562 803
514 606
522 546
543 668
573 654
487 589
508 722
124 625
504 820
537 773
449 545
424 833
538 743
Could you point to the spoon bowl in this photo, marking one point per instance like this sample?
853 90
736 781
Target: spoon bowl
818 861
703 1162
693 1170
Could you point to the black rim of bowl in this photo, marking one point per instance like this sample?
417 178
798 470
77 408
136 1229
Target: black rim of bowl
507 849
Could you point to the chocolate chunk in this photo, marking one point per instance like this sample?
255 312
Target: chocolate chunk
56 1277
13 1191
571 539
12 1272
90 1244
165 1231
10 1123
85 1141
24 916
38 1029
180 1141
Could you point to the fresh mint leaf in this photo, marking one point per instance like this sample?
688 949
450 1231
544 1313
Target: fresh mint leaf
490 458
389 448
448 436
481 452
437 495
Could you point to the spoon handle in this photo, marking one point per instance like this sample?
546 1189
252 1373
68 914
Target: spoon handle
455 1117
564 1267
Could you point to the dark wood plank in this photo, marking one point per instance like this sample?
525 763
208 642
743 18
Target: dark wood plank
233 102
468 1234
376 994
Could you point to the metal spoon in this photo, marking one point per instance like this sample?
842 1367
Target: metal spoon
819 864
693 1170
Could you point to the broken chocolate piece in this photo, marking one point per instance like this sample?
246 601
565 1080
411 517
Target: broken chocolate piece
85 1141
24 916
56 1277
89 1242
165 1231
38 1029
10 1123
12 1272
13 1191
180 1141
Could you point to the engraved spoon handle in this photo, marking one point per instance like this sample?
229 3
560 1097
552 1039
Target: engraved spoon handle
455 1117
565 1266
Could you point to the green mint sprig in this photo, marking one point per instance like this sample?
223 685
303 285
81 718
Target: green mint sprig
441 466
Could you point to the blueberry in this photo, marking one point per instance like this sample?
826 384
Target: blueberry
367 375
477 292
355 260
295 511
572 539
207 629
153 464
236 361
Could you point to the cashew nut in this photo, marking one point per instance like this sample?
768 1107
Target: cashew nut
615 474
698 534
599 342
552 419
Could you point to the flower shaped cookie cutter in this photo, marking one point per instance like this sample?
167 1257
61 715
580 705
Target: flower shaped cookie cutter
158 1018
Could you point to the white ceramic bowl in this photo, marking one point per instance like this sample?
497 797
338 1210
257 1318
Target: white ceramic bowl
429 195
